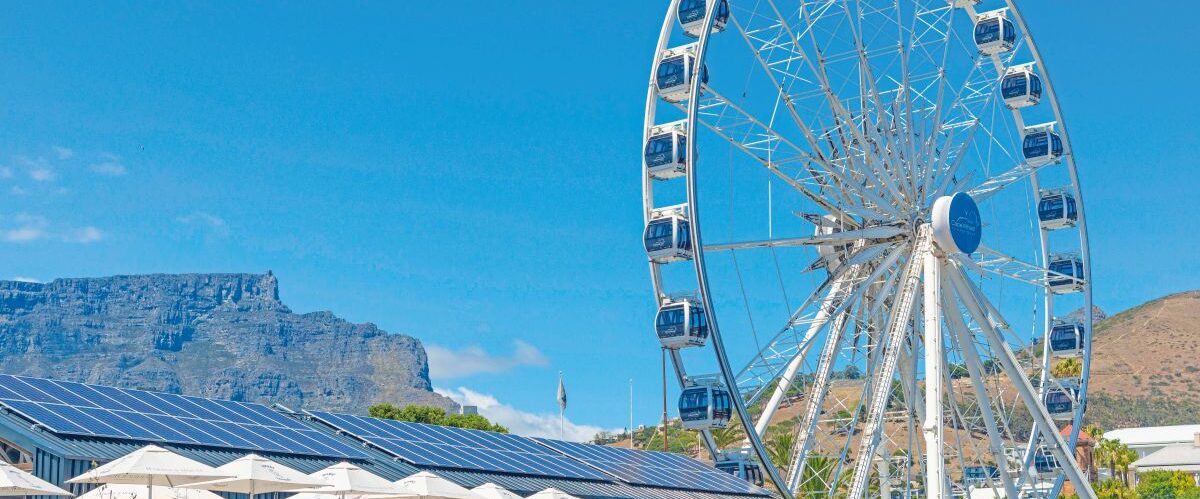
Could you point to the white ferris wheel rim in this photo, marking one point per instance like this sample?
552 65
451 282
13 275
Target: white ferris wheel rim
699 260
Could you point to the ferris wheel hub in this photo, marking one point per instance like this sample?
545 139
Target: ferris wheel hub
957 227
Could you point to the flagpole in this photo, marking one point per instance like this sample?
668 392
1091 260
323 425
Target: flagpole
630 413
562 404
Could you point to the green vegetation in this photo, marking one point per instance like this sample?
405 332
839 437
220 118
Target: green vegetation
433 415
1124 412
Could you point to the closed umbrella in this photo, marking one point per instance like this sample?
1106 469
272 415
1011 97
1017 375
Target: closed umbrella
346 480
17 482
149 466
119 491
492 491
552 493
253 474
426 485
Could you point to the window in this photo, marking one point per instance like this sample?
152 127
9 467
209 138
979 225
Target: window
658 150
1035 86
693 398
1050 208
670 318
691 11
682 147
670 72
1071 213
1013 86
685 237
1010 31
987 31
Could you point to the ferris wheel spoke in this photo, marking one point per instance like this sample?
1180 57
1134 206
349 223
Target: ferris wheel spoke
1008 362
760 141
963 340
998 263
874 233
818 390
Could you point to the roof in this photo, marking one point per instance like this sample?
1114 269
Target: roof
1154 435
1084 436
21 432
1183 457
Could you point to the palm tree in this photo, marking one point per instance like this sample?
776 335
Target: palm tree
1126 457
1067 368
780 448
727 436
1094 430
1106 455
818 470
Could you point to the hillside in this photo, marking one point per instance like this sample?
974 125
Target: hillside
212 335
1144 364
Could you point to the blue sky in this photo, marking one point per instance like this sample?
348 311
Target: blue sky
469 174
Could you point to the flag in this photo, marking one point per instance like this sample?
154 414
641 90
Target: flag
562 393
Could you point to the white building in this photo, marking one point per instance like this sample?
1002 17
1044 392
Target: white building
1151 439
1174 457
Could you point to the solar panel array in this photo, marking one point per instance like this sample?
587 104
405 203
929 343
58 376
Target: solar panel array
102 411
430 445
659 469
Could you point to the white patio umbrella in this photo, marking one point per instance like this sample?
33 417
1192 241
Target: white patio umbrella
492 491
122 491
17 482
346 480
149 466
552 493
253 474
426 485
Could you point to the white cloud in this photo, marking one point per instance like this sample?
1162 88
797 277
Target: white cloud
207 220
109 168
21 278
63 152
41 174
84 235
25 228
520 422
445 363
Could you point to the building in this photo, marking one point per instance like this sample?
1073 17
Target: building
1173 457
1150 439
468 410
59 430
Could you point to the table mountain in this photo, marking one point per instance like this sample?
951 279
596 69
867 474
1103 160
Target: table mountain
212 335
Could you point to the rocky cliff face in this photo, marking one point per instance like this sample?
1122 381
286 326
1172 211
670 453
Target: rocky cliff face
212 335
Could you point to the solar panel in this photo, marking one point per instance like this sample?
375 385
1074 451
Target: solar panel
476 450
70 408
658 469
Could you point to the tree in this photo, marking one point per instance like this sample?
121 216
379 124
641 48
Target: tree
727 436
1166 485
780 448
433 415
1107 454
1067 368
1114 489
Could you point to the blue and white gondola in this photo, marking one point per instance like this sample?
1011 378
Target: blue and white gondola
1060 401
1066 274
691 16
676 68
1021 87
1044 463
668 236
1041 146
704 405
1057 209
738 463
994 33
681 324
665 153
1067 338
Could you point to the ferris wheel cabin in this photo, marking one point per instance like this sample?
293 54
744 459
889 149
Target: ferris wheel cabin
1044 463
1021 87
1066 338
1057 209
994 33
705 405
673 78
668 236
1060 401
1066 273
691 16
666 151
739 464
681 324
1041 146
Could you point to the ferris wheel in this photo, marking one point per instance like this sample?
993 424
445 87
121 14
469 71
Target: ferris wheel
867 244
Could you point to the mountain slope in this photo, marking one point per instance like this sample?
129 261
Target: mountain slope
1144 364
212 335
